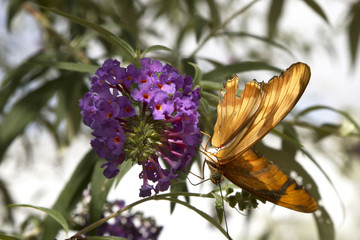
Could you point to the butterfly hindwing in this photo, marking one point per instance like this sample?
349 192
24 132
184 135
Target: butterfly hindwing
254 173
246 120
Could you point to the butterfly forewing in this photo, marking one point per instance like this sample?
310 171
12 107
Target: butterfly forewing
243 121
246 120
256 174
235 114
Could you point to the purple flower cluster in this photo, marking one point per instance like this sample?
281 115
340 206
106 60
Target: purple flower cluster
146 115
132 226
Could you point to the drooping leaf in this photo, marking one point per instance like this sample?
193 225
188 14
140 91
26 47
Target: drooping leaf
180 186
215 19
321 107
212 99
219 206
155 48
100 187
324 224
124 168
274 14
221 73
127 51
198 75
51 212
259 38
13 8
354 30
210 85
26 110
200 24
72 193
7 237
22 75
316 8
74 67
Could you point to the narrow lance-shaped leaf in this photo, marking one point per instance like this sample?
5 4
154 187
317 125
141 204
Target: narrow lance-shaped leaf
155 48
316 7
275 12
22 75
26 110
100 187
214 13
354 30
324 224
51 212
220 73
219 207
343 113
198 75
74 67
71 193
128 51
7 237
259 38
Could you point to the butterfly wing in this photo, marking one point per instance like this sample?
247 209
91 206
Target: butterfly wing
246 120
256 174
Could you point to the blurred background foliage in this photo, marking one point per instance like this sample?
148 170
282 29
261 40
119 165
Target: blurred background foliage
201 38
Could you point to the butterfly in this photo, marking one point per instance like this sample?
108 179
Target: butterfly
245 120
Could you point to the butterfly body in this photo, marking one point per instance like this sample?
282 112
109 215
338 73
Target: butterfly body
242 122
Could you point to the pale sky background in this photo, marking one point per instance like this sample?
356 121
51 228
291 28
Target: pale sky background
332 83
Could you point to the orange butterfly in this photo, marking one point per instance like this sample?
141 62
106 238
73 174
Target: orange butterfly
242 122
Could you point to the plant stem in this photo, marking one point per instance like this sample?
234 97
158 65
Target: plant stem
166 196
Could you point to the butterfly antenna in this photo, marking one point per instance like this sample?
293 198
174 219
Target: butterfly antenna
222 198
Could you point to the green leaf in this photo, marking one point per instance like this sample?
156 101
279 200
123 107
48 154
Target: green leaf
7 237
127 51
26 110
204 105
210 85
286 137
321 107
324 224
155 48
214 13
223 72
14 7
72 193
100 187
124 168
198 75
75 67
316 8
212 99
23 74
274 15
219 206
200 24
51 212
354 30
180 186
263 39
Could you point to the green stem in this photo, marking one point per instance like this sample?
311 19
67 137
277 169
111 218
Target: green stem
216 29
166 196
